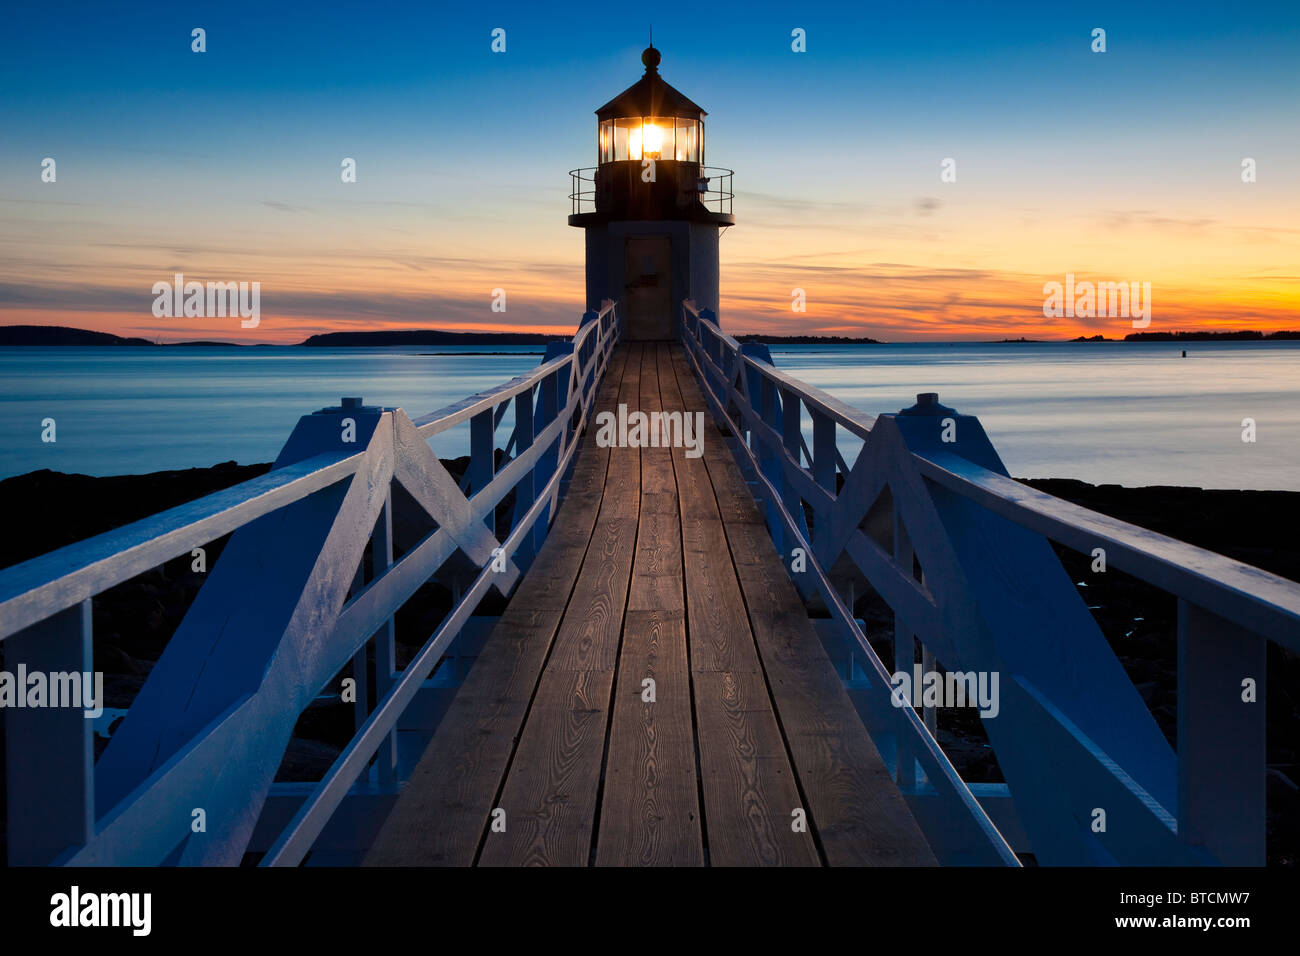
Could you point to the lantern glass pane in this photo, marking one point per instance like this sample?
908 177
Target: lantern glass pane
657 136
606 141
627 138
687 147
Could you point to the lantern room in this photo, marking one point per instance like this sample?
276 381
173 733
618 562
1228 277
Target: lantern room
651 120
651 209
651 137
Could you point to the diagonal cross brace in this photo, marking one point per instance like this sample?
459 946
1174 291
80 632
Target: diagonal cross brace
210 726
429 483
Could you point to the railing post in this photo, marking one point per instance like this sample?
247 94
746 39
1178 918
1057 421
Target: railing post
482 454
713 346
929 713
823 466
49 751
360 664
525 491
385 642
549 405
792 439
1221 741
904 656
770 460
762 393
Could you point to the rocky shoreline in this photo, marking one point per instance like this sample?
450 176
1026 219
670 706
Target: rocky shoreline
46 510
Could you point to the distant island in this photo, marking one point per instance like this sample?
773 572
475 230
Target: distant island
1244 336
1247 336
807 340
60 335
47 335
429 337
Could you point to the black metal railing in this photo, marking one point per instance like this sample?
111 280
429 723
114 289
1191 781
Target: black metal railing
713 186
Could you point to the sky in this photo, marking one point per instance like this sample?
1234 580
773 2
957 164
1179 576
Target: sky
1123 165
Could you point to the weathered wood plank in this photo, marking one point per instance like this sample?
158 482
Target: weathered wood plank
550 792
650 806
657 577
734 498
588 637
720 638
750 791
658 566
441 815
657 583
552 787
858 812
713 598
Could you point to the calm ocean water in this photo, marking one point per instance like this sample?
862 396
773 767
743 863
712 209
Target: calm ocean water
1123 413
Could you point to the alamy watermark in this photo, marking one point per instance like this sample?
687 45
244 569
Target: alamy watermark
179 299
128 910
1102 299
651 430
952 689
25 688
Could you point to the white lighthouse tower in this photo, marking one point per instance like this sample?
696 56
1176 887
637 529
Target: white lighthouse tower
651 209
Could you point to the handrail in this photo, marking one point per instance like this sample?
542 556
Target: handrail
988 600
853 420
578 196
552 404
1264 602
297 838
462 411
44 585
583 199
939 768
722 194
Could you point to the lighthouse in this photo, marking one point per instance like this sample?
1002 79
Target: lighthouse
652 211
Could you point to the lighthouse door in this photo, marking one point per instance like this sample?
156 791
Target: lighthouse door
648 291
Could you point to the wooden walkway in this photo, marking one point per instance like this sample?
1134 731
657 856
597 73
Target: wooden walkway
658 568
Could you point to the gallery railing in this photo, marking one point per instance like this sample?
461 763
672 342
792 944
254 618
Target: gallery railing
960 552
713 188
306 585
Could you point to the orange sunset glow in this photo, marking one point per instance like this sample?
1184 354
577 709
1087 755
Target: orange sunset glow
841 186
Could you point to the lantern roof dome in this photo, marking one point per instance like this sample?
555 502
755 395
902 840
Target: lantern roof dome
650 96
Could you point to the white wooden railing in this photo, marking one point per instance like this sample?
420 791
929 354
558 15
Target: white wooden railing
1090 779
287 606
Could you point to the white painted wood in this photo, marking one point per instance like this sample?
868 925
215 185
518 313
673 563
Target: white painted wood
433 488
36 589
939 769
1221 737
49 751
1248 596
227 692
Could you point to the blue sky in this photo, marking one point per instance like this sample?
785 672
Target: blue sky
228 161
